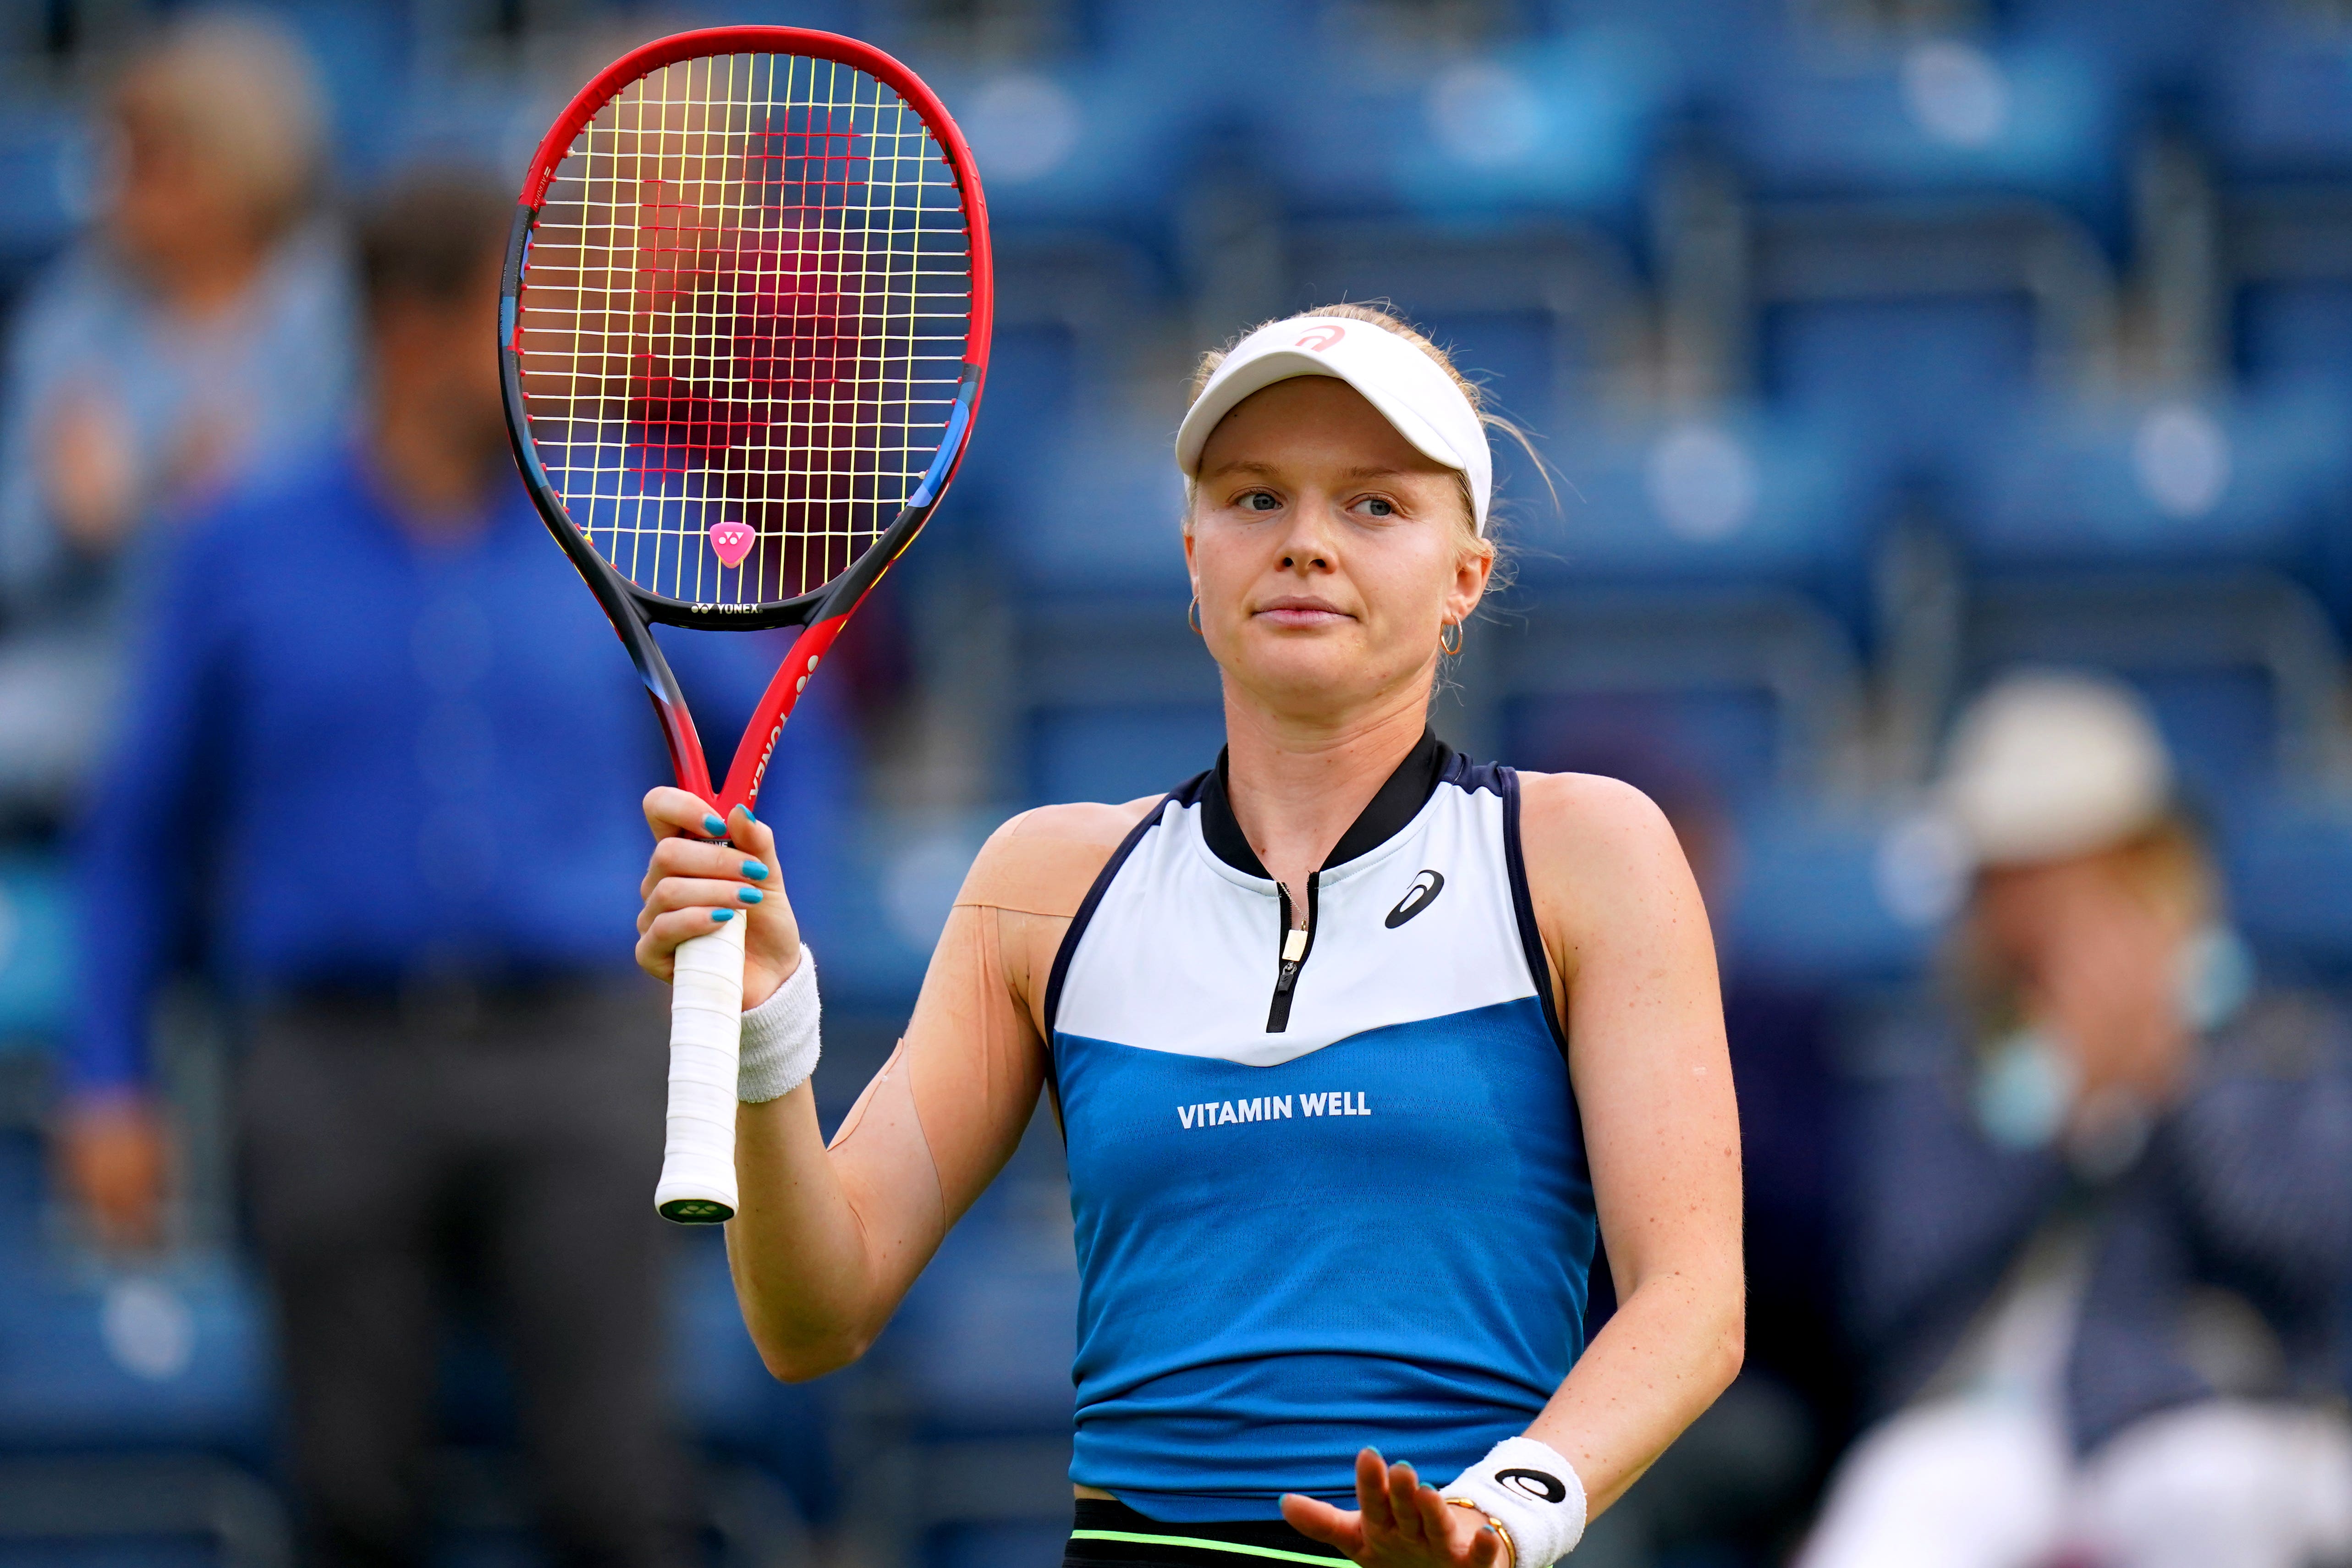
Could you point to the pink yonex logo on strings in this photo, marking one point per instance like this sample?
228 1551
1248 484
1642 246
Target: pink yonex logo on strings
732 541
1320 338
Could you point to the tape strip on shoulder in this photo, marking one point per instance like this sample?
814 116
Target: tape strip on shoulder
1045 867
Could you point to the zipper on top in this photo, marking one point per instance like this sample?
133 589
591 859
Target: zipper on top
1297 943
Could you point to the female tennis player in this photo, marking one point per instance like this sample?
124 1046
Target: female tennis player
1354 1042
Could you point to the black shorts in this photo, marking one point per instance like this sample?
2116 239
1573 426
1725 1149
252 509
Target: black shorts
1113 1535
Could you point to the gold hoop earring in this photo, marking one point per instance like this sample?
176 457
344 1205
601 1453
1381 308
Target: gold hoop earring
1449 647
1193 615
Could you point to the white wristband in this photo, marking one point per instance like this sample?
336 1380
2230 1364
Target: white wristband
780 1038
1533 1492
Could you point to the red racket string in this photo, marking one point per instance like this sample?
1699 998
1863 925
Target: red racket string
743 321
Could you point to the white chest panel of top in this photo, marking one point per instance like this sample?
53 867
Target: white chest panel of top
1183 950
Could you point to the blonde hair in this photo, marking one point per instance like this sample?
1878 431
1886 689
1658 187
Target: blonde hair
1389 321
238 91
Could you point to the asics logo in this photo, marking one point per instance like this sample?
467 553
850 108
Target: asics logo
1417 897
1534 1484
1320 338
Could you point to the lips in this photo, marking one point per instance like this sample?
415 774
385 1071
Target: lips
1300 611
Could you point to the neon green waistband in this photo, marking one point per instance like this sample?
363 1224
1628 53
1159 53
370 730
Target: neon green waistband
1197 1542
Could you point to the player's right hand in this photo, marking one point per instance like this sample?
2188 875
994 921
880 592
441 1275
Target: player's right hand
692 878
1400 1522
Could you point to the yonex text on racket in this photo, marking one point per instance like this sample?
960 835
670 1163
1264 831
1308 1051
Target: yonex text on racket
744 321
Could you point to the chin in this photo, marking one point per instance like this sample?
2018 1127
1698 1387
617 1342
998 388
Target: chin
1310 673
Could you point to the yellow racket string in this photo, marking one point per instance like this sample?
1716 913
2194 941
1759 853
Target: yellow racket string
743 321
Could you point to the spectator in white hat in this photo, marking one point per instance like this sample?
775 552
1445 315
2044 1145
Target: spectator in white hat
2102 1245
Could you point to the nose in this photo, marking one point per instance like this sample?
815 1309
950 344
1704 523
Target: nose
1308 547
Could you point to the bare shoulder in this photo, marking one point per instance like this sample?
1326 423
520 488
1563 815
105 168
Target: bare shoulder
1087 822
1590 821
1604 868
1043 862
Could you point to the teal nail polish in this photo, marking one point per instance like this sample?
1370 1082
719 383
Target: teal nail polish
722 914
710 824
749 895
755 871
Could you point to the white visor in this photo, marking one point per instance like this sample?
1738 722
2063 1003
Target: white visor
1410 389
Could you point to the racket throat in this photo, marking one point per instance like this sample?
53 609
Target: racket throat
750 769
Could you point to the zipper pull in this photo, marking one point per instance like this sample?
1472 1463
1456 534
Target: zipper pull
1294 956
1294 953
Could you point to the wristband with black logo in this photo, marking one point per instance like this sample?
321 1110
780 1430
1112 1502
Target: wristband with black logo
1533 1491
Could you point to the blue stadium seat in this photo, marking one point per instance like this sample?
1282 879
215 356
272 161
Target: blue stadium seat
1815 115
2151 44
1105 144
1516 356
1735 495
1919 391
1703 45
1557 125
2277 104
2287 870
1027 404
1698 587
1120 752
1539 313
1102 514
35 949
2223 724
2294 333
176 1360
1819 898
2253 480
361 53
1728 735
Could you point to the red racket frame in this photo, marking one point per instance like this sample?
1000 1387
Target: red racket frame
822 612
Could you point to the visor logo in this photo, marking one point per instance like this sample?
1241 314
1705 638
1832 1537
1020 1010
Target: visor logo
1320 338
1534 1484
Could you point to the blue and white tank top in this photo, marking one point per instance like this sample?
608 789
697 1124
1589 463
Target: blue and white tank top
1329 1185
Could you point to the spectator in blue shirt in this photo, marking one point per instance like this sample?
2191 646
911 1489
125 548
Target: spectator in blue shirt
201 335
379 735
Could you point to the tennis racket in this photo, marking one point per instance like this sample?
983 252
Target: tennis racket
743 328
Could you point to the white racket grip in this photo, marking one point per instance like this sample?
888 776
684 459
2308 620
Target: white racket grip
706 1027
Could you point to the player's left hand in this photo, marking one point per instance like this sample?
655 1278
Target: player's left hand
1399 1523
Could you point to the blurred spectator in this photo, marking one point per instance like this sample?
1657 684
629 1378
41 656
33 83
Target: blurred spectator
2104 1219
379 736
201 335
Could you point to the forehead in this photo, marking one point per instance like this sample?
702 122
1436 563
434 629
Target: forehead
1311 422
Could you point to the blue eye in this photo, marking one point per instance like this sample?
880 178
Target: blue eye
1380 506
1259 501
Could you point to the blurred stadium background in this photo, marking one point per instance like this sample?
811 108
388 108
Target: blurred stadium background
1876 344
